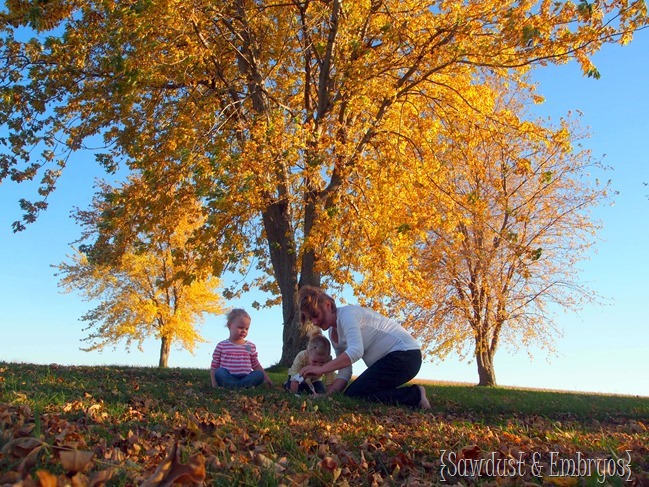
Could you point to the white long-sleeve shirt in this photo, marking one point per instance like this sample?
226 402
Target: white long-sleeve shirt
364 333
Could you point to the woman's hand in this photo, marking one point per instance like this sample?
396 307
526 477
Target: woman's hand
312 371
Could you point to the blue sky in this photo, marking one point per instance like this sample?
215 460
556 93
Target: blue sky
603 348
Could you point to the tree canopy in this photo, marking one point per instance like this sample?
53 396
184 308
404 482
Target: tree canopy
152 288
497 236
271 114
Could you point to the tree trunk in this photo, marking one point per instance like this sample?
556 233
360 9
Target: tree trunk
276 217
486 373
283 258
165 347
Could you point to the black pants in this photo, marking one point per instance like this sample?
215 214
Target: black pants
381 381
304 388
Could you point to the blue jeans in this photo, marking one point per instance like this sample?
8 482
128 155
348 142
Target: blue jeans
225 379
381 381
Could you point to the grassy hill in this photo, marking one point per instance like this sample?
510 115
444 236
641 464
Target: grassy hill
92 426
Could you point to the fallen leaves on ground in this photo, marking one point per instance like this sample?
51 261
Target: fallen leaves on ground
159 435
172 470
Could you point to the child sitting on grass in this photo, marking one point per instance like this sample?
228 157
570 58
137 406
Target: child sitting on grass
318 352
235 362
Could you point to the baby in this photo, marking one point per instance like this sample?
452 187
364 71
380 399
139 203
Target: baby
318 352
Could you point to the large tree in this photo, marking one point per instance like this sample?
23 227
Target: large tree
150 288
497 237
270 112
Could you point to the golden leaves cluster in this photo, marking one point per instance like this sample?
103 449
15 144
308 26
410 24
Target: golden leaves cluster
309 128
494 230
149 287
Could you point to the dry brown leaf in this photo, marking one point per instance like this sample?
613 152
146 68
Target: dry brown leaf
11 477
401 460
72 406
46 479
363 463
95 412
25 430
375 479
562 481
328 463
471 452
308 443
70 440
20 396
267 463
171 471
79 480
637 427
323 450
510 438
21 447
299 479
99 479
333 439
263 461
30 460
75 460
336 473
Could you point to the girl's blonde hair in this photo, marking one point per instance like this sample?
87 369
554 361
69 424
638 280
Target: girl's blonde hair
234 314
310 298
318 344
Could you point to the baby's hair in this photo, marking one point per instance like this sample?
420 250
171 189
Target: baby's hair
235 313
310 299
318 344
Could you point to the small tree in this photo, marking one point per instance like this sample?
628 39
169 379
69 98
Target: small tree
151 289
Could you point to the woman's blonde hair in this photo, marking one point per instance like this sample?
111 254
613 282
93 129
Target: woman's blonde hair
318 344
310 298
234 314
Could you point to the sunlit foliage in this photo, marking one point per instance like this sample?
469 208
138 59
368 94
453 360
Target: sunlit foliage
151 289
271 113
496 232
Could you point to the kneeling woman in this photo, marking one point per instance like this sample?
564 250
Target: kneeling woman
392 355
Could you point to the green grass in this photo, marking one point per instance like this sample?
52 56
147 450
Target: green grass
129 417
488 402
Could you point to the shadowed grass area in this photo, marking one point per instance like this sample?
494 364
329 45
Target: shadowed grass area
498 401
127 418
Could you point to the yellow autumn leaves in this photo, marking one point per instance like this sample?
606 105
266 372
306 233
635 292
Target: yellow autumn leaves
153 289
316 138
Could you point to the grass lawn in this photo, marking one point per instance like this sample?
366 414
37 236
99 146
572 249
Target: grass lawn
92 426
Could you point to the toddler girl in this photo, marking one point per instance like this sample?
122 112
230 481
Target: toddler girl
318 352
235 362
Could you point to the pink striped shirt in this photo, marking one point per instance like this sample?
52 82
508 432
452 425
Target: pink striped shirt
237 359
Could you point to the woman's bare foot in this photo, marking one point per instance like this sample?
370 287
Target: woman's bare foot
423 402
